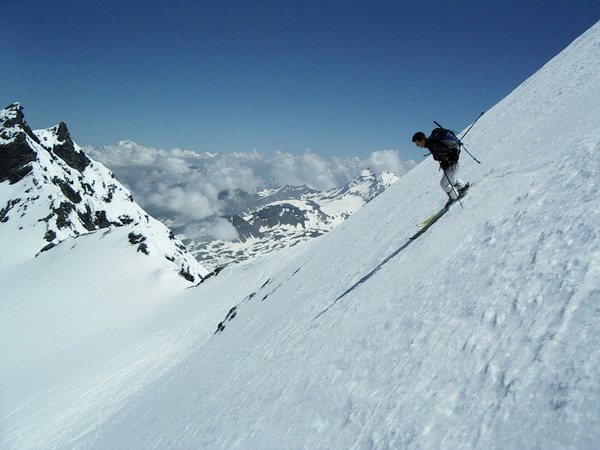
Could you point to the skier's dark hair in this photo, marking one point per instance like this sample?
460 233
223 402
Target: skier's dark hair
418 136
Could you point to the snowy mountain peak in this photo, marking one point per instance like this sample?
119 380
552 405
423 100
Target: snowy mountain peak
366 173
128 143
55 192
17 155
12 116
58 140
387 178
366 186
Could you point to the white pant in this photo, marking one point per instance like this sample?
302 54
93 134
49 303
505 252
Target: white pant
449 183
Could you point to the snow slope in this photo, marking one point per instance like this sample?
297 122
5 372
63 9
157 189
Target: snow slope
88 333
484 332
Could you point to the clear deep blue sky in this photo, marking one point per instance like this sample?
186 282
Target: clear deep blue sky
341 78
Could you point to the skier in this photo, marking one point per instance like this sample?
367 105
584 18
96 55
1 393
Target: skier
444 147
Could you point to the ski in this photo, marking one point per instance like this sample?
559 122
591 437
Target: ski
428 222
435 216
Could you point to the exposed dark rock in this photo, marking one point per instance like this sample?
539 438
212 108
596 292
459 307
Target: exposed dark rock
48 247
214 273
244 228
15 158
236 200
66 151
230 316
75 210
67 190
111 191
4 211
87 188
135 238
186 274
50 235
47 218
19 117
279 214
125 219
62 214
87 219
101 220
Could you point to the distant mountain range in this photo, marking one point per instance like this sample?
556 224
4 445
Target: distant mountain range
285 216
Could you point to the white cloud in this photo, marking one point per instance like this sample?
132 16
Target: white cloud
185 202
389 160
308 168
223 230
187 184
216 229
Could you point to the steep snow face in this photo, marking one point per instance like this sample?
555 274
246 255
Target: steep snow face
484 332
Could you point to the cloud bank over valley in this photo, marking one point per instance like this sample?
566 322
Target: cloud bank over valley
191 188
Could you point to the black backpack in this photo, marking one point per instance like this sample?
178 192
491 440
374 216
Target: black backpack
448 139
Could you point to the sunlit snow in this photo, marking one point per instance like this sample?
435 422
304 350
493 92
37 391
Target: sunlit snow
484 332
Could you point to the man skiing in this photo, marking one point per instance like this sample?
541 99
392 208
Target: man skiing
445 148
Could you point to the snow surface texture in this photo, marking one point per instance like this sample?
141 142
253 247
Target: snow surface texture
484 332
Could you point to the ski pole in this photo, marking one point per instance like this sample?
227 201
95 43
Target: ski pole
469 129
466 132
469 153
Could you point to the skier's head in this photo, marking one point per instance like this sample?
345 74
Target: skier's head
419 139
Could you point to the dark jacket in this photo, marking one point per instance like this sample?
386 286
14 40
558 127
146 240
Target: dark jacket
445 152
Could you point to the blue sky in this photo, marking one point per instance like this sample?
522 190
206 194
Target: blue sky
341 78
